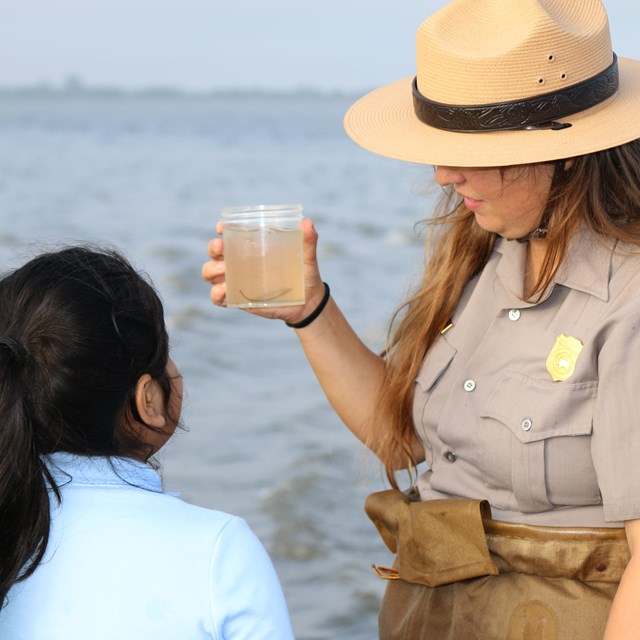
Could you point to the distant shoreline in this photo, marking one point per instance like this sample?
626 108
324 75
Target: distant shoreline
79 90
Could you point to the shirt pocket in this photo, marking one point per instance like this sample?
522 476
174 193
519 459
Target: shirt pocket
435 364
544 417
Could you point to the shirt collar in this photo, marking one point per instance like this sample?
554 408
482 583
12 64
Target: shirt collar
586 266
70 469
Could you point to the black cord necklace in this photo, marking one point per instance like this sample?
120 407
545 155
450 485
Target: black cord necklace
559 176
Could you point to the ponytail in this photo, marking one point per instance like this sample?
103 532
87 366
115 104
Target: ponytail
24 500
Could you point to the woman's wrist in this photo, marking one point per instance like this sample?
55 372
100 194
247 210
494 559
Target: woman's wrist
315 313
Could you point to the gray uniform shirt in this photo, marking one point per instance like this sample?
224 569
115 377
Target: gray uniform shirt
536 406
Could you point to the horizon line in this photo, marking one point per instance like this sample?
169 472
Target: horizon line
76 87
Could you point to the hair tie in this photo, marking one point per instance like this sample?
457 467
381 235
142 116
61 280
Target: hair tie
315 313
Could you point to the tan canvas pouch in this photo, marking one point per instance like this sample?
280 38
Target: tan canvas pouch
436 542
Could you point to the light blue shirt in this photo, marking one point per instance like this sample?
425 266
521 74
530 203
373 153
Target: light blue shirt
127 560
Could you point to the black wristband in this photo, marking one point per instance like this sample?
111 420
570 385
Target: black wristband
315 313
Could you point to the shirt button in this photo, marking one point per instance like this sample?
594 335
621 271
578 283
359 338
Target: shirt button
469 385
449 456
514 314
527 423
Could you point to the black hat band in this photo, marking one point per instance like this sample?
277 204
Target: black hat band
540 112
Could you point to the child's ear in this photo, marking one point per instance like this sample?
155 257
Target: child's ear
150 402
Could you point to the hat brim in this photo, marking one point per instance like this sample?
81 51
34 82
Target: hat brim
385 123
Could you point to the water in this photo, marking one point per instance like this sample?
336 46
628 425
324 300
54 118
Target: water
150 175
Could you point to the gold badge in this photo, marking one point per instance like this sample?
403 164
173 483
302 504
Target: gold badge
561 362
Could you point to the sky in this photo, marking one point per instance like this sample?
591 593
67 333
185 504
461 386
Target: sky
199 45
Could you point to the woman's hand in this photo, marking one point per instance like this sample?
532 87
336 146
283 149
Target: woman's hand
213 272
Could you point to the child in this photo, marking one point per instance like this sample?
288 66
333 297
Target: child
91 544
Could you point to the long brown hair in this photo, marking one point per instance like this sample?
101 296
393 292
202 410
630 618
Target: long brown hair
602 191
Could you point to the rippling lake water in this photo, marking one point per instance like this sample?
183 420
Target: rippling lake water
149 175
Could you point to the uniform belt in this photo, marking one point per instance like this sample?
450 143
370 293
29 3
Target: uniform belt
444 541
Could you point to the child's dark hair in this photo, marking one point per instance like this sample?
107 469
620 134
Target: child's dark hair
78 327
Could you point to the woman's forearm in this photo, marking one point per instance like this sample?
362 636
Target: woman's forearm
349 373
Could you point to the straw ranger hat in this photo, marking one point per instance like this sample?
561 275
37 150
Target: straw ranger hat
502 82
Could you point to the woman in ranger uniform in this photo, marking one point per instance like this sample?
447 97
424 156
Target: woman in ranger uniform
513 369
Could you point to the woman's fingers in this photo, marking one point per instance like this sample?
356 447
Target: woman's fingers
310 242
219 294
309 254
215 248
213 271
